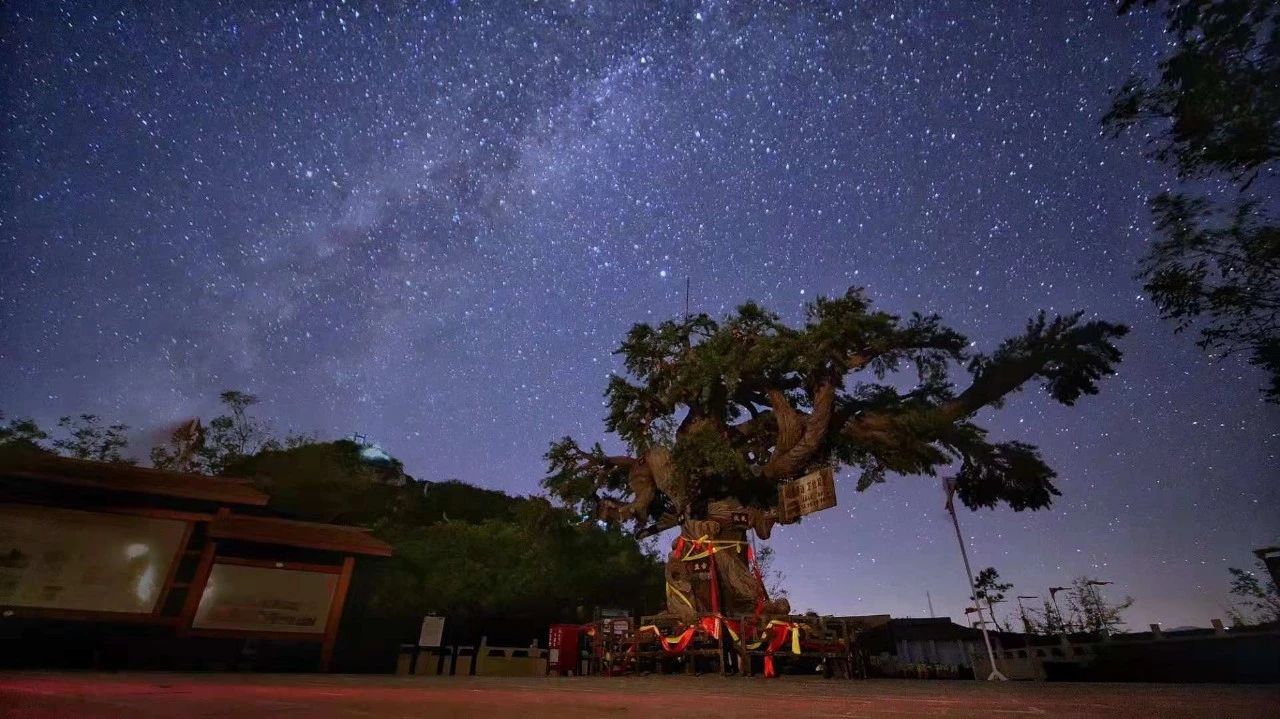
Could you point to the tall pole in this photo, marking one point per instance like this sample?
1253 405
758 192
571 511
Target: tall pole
929 598
1098 607
995 674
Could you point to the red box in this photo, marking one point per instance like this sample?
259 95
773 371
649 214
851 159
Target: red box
562 654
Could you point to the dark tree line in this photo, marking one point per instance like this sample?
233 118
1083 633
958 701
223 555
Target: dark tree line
1087 610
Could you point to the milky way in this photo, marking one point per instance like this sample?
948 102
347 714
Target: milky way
432 226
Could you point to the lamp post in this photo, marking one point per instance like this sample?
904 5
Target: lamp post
1095 598
995 674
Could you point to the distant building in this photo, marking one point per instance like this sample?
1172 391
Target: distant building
938 646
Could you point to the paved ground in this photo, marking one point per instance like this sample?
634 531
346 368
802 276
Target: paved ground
208 696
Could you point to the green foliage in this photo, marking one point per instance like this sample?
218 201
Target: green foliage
1068 356
472 554
23 432
87 438
1091 612
1214 114
708 466
988 588
1219 267
988 585
1259 598
570 485
228 438
1217 89
539 563
236 434
327 482
83 437
1010 472
743 404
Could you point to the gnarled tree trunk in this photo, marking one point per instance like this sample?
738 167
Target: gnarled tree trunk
709 570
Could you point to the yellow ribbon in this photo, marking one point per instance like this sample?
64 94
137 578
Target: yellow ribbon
678 593
795 635
712 546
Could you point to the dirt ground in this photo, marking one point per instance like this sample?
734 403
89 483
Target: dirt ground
206 696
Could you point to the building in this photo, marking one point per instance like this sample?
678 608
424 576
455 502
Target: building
107 563
924 647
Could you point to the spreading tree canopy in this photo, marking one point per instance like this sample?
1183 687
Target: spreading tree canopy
716 416
726 411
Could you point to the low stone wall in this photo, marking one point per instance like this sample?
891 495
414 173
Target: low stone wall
1224 656
511 662
484 660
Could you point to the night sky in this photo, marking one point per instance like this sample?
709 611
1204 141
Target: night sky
433 225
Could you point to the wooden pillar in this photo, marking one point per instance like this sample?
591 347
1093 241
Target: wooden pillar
196 590
173 570
335 613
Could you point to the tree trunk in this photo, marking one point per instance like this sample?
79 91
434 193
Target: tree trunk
708 571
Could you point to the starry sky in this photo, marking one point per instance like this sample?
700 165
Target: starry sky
431 224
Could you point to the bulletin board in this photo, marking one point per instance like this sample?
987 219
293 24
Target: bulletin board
66 559
265 599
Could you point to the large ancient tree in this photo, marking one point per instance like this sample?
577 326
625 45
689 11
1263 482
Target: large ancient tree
716 416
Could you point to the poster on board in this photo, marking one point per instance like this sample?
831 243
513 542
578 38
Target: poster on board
265 599
67 559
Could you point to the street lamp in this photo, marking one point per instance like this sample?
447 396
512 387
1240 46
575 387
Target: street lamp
1095 598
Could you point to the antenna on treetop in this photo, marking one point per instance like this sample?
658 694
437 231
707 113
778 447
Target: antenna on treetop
687 283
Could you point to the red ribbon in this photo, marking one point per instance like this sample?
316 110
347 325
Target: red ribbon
680 645
780 632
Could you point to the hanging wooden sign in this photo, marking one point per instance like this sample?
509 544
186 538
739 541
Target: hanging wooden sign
811 493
